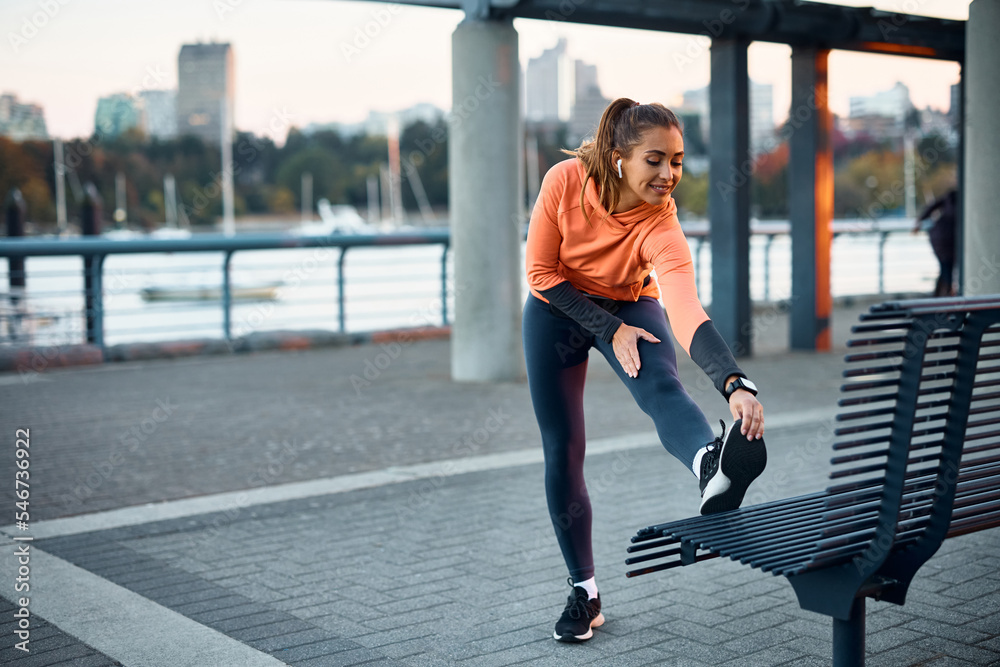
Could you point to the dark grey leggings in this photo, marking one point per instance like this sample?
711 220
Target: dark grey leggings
556 351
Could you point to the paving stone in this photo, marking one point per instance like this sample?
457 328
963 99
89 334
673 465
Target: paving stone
884 640
903 655
974 654
358 656
474 576
314 649
291 640
947 661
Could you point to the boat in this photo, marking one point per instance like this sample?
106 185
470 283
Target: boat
262 292
340 219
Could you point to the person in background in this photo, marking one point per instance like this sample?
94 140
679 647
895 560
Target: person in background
603 222
942 236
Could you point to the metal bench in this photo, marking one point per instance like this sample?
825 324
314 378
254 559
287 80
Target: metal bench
916 460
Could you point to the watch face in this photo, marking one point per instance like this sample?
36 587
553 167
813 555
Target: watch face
748 384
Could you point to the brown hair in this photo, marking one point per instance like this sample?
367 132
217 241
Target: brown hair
621 128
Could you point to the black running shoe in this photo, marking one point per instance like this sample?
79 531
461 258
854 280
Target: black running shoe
580 616
728 467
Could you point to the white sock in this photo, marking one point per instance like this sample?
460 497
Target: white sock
696 466
590 585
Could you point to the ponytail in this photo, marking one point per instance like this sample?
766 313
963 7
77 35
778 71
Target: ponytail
621 128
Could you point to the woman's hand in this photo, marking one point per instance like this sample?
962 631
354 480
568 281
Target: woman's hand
625 344
745 406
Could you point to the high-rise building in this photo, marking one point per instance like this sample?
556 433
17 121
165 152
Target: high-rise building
762 133
160 113
893 103
117 114
695 102
204 90
550 85
559 89
588 103
21 122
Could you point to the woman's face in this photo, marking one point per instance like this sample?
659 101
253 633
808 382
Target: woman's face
653 170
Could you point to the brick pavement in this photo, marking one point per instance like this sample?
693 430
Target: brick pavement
443 570
131 433
464 570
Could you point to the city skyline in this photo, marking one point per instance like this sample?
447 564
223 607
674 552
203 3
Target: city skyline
338 72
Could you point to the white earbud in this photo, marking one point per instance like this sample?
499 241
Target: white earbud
619 168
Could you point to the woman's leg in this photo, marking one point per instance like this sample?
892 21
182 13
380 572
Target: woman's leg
680 423
555 353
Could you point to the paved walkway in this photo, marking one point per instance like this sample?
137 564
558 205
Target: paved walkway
353 506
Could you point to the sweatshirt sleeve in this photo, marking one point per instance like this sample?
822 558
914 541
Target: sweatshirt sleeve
544 238
589 315
671 257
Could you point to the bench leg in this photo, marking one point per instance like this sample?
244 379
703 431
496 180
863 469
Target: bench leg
849 637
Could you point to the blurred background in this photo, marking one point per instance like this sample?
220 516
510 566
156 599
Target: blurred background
336 115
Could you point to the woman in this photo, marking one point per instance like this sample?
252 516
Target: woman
942 237
602 223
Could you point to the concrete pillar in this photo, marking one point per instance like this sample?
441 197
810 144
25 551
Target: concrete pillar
981 267
485 193
810 187
730 172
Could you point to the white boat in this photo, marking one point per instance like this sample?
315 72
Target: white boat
263 292
340 219
170 233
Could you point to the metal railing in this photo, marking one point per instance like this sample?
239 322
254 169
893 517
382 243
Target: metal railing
95 251
86 287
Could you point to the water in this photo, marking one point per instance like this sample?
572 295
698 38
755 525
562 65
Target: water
385 287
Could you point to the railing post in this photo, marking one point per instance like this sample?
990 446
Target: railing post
767 267
227 296
444 285
700 240
883 236
94 287
93 265
341 315
14 212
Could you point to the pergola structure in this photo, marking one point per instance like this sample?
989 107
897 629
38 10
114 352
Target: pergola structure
486 165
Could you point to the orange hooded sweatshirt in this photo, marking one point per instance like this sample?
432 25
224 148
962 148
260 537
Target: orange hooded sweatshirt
611 257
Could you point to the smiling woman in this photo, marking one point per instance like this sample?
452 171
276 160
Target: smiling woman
602 224
645 144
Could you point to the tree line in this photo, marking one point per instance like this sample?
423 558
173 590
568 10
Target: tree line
267 177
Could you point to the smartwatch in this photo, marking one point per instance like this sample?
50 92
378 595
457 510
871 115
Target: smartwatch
740 383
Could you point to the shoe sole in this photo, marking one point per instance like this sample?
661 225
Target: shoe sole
596 623
742 462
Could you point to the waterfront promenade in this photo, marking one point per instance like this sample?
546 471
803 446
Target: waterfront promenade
351 505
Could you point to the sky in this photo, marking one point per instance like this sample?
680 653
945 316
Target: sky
304 61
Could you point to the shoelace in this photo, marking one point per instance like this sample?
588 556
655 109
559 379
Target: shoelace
579 606
712 450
